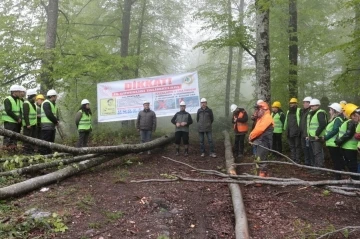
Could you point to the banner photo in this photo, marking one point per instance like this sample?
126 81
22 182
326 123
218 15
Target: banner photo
122 100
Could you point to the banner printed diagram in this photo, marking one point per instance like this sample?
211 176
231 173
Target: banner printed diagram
122 100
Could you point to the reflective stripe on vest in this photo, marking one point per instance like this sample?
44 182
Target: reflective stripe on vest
331 142
15 108
44 118
313 125
351 143
241 127
32 115
297 118
85 121
278 127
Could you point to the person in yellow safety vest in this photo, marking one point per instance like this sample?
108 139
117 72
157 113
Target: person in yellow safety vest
22 100
346 138
279 120
331 132
49 119
357 132
83 123
29 120
11 115
239 120
38 100
316 124
292 129
305 144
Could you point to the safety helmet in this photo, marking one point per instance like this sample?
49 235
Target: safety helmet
293 100
51 93
336 106
315 102
31 92
349 109
85 101
203 100
307 98
343 102
276 104
40 96
182 103
14 88
146 102
259 101
263 105
233 107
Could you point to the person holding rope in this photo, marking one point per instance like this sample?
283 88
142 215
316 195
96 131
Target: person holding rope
262 134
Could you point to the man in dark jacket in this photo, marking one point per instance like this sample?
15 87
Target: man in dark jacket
291 127
306 146
182 120
316 124
29 121
11 115
205 118
49 119
146 123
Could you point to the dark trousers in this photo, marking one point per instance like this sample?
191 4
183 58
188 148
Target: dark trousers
338 160
145 135
31 132
277 142
181 135
308 153
317 149
239 144
38 132
49 136
83 139
350 161
15 127
295 148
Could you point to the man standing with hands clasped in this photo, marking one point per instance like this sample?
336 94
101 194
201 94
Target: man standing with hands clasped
146 123
205 118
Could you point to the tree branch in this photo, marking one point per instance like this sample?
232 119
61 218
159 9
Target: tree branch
339 230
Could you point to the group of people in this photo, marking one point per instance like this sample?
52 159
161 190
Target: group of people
38 117
146 124
307 129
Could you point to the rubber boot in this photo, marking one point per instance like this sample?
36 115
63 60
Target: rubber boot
186 150
177 150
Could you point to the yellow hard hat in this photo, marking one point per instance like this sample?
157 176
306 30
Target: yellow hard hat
276 104
349 109
40 96
342 104
293 100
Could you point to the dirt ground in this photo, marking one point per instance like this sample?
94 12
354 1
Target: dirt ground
103 203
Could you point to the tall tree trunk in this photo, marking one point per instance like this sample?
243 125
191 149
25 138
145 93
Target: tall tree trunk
229 68
293 50
240 58
125 31
138 47
46 78
263 50
357 72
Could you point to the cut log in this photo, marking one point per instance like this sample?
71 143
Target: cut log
123 148
241 223
41 166
38 182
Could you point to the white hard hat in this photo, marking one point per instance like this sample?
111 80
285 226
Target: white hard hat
182 103
146 102
233 107
336 106
31 92
51 93
259 101
315 102
14 88
203 100
22 88
307 98
85 101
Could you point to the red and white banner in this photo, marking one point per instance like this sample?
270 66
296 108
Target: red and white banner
122 100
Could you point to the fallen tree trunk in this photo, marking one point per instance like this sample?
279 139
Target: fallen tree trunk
37 182
41 166
123 148
27 158
241 223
